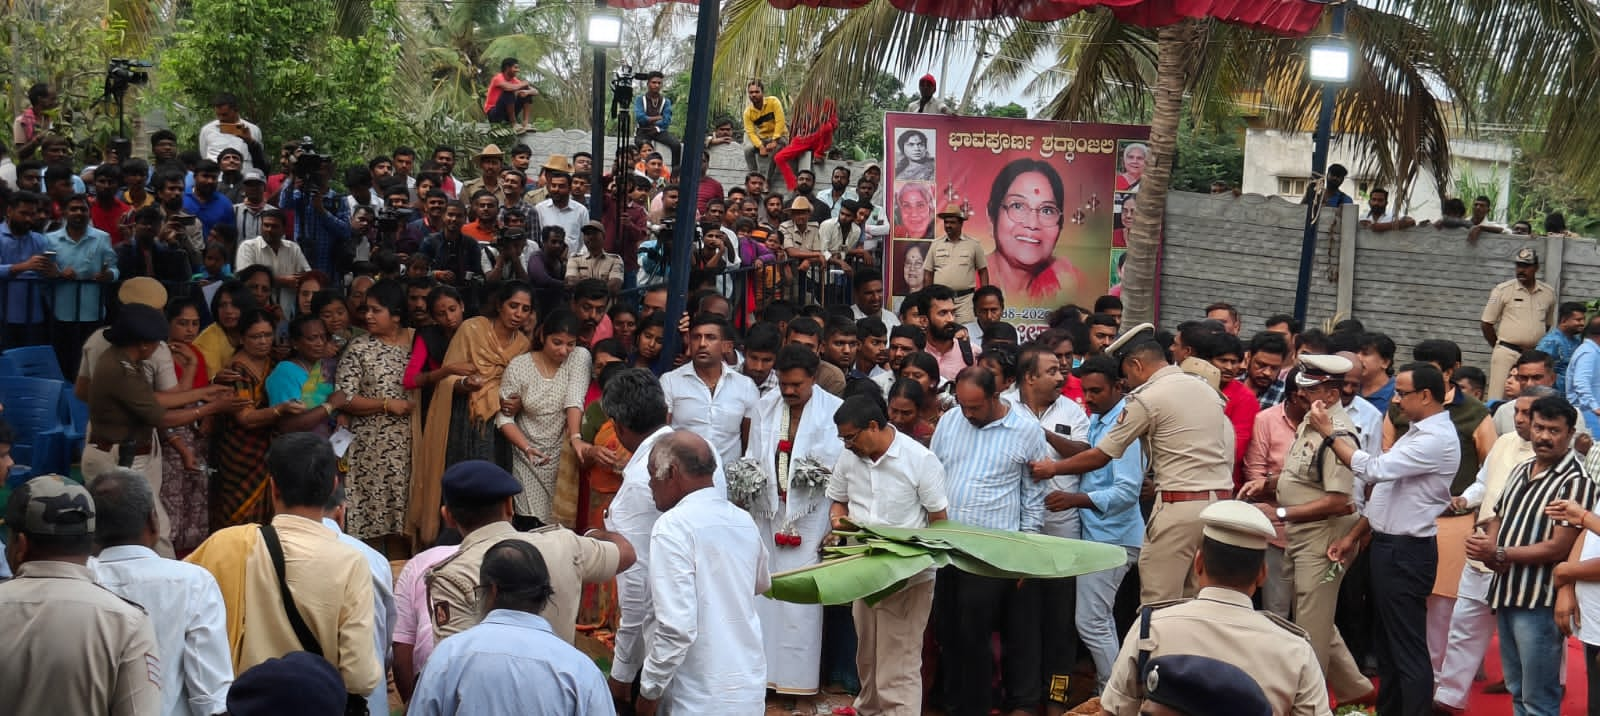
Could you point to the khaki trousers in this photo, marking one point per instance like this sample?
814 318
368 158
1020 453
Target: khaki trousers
97 462
889 651
1171 540
1315 601
1501 361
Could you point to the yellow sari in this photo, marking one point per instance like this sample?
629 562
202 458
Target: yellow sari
477 343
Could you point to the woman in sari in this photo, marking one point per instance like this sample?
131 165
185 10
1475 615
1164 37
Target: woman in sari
906 401
427 366
602 456
183 463
549 381
460 419
240 494
307 376
218 342
371 372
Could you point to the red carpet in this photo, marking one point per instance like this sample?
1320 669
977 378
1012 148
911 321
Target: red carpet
1574 704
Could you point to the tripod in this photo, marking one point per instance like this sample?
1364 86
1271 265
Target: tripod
622 113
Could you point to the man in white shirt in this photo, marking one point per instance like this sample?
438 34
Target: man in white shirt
183 600
927 102
709 565
867 284
275 252
634 402
1412 487
708 398
885 478
229 130
558 209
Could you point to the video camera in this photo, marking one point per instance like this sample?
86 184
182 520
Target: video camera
307 162
622 85
391 219
125 72
507 237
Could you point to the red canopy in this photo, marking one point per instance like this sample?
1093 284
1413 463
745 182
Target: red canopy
1288 17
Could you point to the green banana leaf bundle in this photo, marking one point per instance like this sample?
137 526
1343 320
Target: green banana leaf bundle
882 559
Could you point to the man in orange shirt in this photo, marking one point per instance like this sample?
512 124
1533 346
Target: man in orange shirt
510 98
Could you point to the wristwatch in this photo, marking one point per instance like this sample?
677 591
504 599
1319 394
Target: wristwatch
1500 555
1283 514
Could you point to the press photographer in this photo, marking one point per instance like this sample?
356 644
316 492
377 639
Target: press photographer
507 251
322 217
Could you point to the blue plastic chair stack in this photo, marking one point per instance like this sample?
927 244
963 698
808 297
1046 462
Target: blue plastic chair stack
33 407
77 427
32 362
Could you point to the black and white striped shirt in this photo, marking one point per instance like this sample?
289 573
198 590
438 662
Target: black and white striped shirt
1523 523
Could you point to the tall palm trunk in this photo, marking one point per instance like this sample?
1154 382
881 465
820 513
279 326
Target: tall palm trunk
1140 277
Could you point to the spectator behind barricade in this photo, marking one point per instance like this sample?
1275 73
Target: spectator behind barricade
84 258
24 264
285 259
321 217
107 212
510 98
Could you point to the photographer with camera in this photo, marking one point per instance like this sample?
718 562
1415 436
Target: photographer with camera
455 258
390 220
624 237
652 112
181 225
505 255
321 217
229 130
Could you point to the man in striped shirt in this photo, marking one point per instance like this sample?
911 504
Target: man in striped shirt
985 450
1523 545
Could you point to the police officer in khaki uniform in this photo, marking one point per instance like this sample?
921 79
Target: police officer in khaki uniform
477 501
1222 624
1519 313
955 260
1316 505
72 646
1180 421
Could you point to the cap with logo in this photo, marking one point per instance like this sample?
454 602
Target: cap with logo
1237 523
51 505
1527 256
1315 370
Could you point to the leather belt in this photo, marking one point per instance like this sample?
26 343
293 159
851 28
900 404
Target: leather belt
1513 346
143 448
964 292
1193 495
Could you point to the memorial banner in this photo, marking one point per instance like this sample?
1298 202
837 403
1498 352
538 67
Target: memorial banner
1045 199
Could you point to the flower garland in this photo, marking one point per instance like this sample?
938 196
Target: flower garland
747 483
785 447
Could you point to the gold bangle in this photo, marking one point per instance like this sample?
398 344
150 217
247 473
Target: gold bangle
386 406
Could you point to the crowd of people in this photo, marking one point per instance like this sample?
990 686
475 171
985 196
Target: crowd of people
291 385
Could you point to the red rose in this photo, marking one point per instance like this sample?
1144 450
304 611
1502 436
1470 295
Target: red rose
785 446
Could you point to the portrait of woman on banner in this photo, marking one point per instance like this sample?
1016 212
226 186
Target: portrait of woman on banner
1026 209
911 256
1133 158
913 211
915 156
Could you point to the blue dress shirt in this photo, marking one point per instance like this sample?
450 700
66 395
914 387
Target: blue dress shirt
1114 490
510 663
987 478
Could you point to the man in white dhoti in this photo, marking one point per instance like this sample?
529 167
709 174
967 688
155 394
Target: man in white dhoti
795 445
707 568
887 479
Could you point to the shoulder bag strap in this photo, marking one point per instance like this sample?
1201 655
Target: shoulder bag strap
301 630
966 350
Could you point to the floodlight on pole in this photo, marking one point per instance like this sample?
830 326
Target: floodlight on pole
605 27
1329 61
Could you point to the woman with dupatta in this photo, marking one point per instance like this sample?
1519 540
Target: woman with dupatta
795 427
460 420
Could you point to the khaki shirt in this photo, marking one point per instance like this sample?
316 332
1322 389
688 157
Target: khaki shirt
122 405
1221 624
572 560
606 266
1521 317
1302 479
159 370
955 264
1181 422
794 238
73 647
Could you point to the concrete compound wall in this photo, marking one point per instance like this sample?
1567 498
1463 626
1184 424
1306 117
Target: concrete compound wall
727 161
1413 284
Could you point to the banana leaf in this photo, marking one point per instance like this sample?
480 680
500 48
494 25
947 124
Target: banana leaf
844 580
1013 554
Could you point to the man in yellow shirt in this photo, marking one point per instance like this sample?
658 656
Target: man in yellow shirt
765 129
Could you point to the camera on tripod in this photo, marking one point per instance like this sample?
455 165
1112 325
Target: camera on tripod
622 85
122 73
307 162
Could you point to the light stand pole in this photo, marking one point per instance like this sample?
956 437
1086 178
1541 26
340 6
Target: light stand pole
1329 63
694 140
605 31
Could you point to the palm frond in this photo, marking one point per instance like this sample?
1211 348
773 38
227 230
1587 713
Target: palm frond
1112 66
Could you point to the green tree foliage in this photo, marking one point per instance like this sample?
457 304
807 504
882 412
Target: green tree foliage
1010 110
292 74
1208 154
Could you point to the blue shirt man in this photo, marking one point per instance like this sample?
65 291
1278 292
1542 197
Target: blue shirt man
511 662
1113 489
85 259
1583 378
204 201
21 260
1560 346
986 467
319 229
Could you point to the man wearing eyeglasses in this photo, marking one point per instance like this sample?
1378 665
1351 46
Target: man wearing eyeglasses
1411 488
955 260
